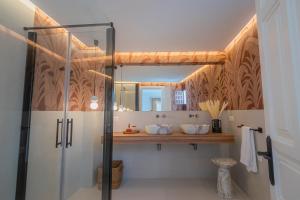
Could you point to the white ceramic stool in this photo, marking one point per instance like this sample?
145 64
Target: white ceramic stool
224 178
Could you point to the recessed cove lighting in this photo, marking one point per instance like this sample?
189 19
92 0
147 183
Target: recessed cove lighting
28 4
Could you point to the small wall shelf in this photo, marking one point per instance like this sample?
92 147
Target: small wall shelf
174 138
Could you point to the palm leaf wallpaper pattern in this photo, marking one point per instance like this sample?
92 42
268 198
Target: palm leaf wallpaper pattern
238 81
49 78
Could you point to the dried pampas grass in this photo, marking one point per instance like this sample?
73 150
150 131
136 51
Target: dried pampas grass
214 108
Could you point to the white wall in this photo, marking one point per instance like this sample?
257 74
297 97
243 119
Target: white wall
13 15
173 161
256 185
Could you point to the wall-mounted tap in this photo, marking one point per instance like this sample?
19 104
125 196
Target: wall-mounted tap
163 116
195 146
193 116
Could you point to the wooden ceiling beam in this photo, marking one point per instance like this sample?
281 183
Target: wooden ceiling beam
170 58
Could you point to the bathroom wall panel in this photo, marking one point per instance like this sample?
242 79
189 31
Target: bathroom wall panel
13 15
256 185
141 119
173 161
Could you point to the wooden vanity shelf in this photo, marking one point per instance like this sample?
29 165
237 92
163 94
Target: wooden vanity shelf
174 138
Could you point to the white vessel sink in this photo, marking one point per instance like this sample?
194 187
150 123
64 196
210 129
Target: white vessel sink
158 129
194 128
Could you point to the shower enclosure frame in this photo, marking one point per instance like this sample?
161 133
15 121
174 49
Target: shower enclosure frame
27 102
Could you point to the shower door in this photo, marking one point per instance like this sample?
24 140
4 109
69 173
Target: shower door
45 144
67 118
85 112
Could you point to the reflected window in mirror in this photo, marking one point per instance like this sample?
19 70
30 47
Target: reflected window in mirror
154 99
180 97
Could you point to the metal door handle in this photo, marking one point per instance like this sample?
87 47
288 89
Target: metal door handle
268 155
71 136
58 127
69 142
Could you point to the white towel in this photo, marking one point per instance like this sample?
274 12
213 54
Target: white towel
248 151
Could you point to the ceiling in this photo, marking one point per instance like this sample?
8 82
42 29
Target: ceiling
159 25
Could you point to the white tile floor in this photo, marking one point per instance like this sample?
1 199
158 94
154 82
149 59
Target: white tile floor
179 189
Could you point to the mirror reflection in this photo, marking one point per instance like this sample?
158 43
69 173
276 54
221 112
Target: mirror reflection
151 88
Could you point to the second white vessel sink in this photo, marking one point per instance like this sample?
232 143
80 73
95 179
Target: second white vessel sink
161 129
194 128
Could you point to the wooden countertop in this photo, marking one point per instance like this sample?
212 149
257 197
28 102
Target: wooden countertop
174 138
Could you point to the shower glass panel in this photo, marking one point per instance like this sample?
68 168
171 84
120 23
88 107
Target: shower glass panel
85 114
71 115
47 116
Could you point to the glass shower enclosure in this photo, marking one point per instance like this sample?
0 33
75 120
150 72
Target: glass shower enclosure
66 134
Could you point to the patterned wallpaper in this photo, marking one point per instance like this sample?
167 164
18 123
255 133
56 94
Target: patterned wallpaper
49 79
238 81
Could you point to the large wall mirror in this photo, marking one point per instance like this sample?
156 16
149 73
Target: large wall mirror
152 88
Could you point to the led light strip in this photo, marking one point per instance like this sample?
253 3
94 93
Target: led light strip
194 73
99 73
103 59
237 38
17 36
126 82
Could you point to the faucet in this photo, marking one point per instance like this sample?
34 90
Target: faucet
163 116
193 116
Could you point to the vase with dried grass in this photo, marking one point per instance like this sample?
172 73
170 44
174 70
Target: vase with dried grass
215 109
